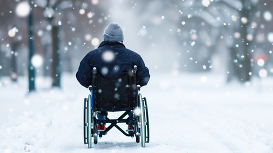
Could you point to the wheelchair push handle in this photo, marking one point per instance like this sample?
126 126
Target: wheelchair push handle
138 87
94 70
94 73
135 68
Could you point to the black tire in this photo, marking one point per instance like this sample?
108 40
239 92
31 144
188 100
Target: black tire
136 129
95 139
137 138
95 131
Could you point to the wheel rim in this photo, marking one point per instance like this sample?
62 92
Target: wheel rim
85 140
142 122
90 121
147 121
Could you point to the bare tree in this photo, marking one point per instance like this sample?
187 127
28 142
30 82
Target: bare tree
226 19
55 12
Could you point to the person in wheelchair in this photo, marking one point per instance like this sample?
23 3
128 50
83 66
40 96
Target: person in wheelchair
112 59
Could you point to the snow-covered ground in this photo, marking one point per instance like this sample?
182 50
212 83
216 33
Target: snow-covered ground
185 114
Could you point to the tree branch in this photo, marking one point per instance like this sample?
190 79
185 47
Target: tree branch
56 4
237 5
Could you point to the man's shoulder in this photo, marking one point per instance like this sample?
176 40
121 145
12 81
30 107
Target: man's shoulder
94 51
132 52
100 50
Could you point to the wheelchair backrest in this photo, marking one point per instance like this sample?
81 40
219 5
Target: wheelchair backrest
114 94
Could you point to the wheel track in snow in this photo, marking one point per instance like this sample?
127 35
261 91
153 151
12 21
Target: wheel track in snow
234 132
216 135
240 128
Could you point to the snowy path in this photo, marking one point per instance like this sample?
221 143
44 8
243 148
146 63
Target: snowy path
185 116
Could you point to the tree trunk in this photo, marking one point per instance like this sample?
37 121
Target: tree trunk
31 69
242 68
14 73
244 77
45 57
55 73
233 67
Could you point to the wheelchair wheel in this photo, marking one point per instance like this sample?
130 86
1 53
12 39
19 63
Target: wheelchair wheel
146 120
142 122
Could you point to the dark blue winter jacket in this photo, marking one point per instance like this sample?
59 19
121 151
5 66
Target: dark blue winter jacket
112 59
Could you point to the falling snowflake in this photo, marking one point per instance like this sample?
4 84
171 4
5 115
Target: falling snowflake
108 56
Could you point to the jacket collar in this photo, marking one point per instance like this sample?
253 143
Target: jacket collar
111 43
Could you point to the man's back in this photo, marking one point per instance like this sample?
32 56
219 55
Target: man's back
112 60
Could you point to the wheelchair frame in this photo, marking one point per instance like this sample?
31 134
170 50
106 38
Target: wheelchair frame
140 111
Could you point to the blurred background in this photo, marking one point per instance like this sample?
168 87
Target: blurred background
210 62
46 38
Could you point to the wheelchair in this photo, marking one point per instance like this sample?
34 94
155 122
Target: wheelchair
115 95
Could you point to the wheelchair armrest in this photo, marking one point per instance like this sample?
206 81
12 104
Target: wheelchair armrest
138 87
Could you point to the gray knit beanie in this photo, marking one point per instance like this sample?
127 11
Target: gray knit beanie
113 32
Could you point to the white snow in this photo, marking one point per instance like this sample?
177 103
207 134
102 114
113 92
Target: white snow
206 3
267 16
108 56
22 9
185 115
49 12
270 37
95 41
263 73
37 60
